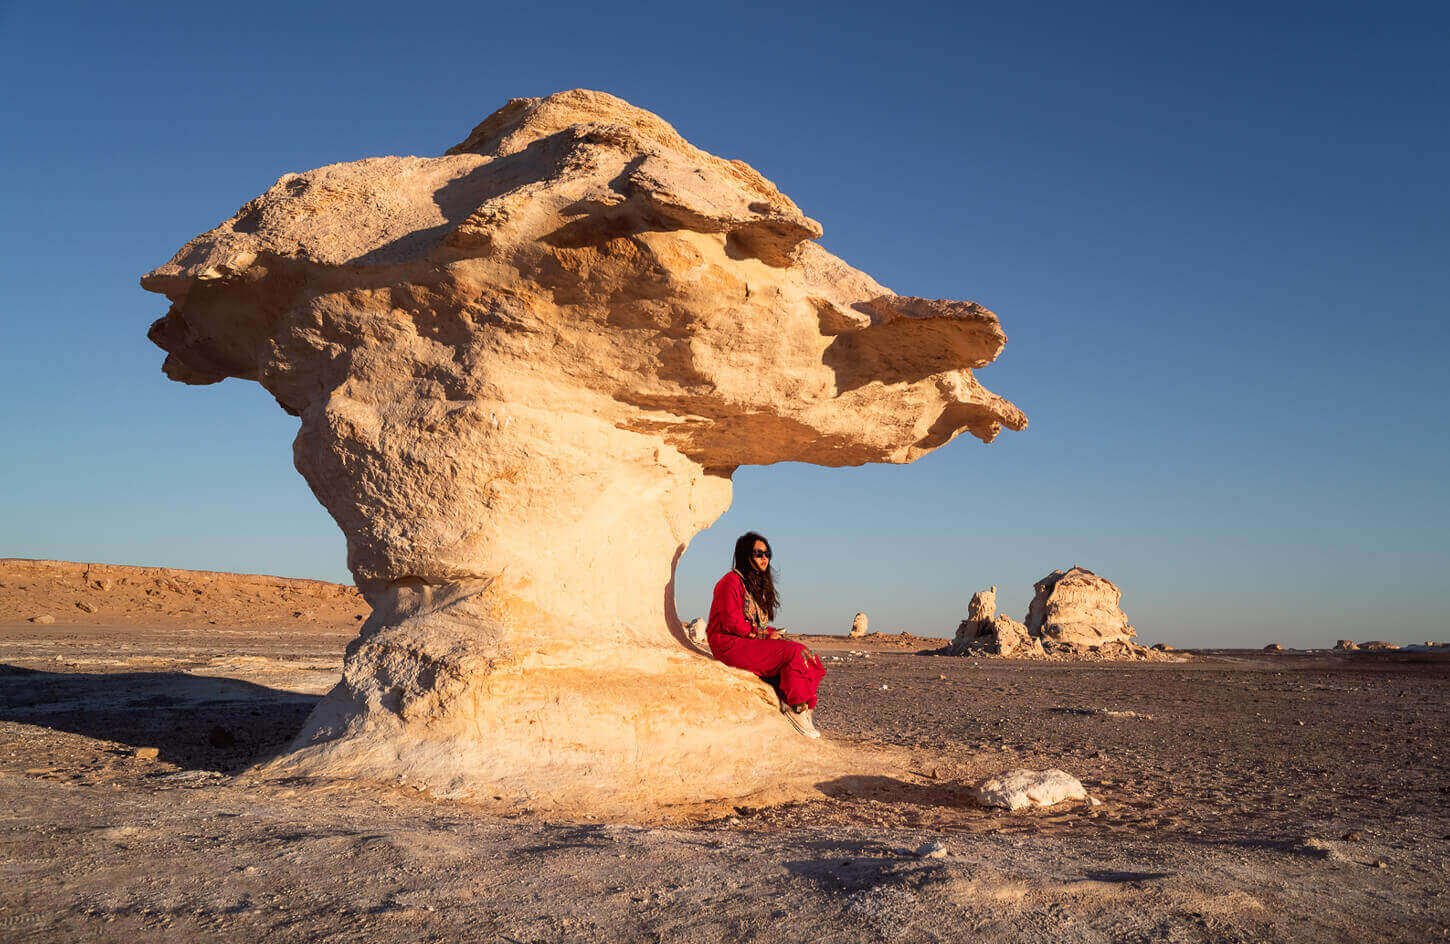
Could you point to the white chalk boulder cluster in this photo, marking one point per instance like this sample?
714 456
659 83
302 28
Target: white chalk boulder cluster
1074 613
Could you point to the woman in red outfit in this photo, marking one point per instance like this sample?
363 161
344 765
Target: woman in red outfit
740 634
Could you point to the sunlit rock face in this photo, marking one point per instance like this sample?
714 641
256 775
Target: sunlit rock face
1077 609
525 372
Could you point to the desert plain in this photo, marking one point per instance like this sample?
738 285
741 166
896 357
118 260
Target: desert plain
1235 796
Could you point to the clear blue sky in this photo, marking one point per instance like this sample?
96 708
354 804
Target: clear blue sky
1217 239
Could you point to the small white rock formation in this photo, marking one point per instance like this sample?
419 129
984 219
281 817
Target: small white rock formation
1074 613
860 625
524 373
695 633
996 635
983 605
986 631
1020 788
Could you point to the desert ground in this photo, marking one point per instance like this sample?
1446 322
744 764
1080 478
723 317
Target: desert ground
1242 796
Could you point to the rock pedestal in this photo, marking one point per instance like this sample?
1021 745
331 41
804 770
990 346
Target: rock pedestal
524 373
859 626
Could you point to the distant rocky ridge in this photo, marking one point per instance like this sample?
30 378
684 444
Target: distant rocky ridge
67 593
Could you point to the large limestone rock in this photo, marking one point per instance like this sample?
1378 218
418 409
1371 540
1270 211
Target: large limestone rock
1078 610
524 373
860 626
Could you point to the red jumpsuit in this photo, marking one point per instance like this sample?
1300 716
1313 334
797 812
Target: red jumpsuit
790 666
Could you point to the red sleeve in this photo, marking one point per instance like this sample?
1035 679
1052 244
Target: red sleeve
727 610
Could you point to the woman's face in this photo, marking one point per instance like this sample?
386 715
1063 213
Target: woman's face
760 557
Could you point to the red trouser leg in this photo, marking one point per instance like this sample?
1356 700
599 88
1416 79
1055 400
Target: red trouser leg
800 677
798 670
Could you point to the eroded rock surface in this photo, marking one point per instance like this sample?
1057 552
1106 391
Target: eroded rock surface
524 373
860 626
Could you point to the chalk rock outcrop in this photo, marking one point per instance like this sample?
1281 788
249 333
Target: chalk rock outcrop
983 605
860 626
695 634
1074 614
986 631
524 373
1004 636
973 632
1078 610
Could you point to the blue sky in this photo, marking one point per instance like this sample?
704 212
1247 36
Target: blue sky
1217 239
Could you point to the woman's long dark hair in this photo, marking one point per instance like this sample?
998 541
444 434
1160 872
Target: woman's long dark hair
760 584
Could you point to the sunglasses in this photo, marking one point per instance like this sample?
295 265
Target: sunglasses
764 554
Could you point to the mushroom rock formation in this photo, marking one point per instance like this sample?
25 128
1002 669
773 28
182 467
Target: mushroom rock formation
524 373
1077 609
860 625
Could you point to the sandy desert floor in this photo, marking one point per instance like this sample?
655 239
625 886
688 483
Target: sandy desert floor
1244 797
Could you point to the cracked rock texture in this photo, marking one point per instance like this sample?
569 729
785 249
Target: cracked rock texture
524 372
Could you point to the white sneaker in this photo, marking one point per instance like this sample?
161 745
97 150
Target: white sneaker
803 721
